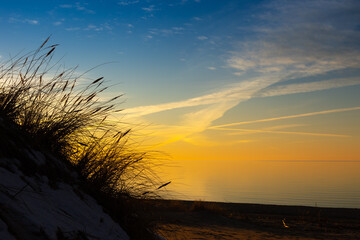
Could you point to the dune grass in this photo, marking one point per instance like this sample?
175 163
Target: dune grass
72 116
66 113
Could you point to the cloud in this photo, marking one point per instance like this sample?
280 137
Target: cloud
165 32
307 87
151 8
294 41
234 94
211 68
78 6
277 127
213 106
66 6
200 140
126 3
59 22
92 27
288 117
184 2
32 21
178 28
200 120
202 38
302 39
241 64
73 29
20 20
274 130
251 131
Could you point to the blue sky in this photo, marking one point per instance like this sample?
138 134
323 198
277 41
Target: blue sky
183 38
186 66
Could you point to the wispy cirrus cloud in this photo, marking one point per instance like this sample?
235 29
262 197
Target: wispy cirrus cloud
286 89
24 20
165 32
126 3
73 29
150 8
243 131
275 130
57 23
32 21
295 41
303 39
232 94
287 117
92 27
66 6
202 38
82 7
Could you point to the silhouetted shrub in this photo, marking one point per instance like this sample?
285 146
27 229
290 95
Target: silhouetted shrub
67 113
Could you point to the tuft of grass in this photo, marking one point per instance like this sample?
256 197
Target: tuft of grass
112 167
70 115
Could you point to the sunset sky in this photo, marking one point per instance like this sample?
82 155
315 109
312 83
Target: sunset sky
211 79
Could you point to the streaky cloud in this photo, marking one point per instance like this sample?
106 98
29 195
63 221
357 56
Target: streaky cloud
297 40
287 117
238 131
233 93
308 87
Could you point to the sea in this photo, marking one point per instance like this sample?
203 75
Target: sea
295 182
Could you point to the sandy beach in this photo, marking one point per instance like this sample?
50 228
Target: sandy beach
212 220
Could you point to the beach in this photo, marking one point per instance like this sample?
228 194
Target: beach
175 219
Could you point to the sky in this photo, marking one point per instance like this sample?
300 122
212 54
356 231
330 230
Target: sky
213 80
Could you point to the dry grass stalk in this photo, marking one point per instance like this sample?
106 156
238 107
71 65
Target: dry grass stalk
46 101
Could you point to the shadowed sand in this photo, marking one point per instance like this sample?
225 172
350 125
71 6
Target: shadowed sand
210 220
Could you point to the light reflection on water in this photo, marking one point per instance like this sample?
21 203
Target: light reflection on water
307 183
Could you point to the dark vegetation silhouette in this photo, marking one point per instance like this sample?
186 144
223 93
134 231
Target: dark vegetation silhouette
70 115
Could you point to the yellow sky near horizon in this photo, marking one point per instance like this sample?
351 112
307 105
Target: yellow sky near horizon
330 134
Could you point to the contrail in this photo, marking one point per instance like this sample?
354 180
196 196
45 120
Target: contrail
287 117
281 132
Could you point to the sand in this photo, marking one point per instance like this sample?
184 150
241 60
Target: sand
210 220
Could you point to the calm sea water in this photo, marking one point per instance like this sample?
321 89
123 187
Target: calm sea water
306 183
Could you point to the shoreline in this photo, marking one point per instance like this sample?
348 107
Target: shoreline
340 212
183 219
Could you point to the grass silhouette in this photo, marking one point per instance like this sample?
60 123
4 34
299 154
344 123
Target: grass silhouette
68 115
59 111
